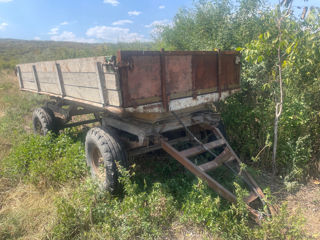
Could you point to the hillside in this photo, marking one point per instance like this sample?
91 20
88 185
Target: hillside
14 51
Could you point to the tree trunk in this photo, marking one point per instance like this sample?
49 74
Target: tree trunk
275 144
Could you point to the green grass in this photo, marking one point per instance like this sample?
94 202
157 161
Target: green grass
46 161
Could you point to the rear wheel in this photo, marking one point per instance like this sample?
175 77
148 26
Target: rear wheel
43 121
103 150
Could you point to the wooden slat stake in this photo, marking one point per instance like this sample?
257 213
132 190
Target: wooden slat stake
60 80
36 79
101 83
20 78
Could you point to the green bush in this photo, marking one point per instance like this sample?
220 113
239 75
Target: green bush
150 211
137 214
252 28
46 161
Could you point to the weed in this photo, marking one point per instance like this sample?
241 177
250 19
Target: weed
143 214
46 161
148 212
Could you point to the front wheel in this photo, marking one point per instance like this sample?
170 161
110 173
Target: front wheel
103 150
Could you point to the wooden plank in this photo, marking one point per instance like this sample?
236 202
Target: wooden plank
111 81
36 79
47 77
100 81
29 85
20 77
27 67
80 79
50 88
114 98
47 66
199 149
82 65
60 80
225 156
88 94
27 76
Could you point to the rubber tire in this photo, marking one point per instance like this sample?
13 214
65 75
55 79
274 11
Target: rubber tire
111 150
46 118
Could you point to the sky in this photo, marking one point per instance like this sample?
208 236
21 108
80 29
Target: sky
91 21
85 20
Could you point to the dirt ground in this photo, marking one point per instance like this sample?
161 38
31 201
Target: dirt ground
305 199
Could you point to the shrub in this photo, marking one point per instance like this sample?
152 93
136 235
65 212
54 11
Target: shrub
138 214
149 212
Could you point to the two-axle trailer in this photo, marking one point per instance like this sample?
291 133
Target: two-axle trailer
144 100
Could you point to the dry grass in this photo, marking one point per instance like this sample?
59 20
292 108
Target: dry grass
182 232
26 213
307 200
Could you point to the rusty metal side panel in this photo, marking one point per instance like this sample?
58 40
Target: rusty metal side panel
205 70
140 79
179 74
145 74
229 78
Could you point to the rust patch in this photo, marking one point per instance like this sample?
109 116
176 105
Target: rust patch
179 73
229 71
144 79
205 68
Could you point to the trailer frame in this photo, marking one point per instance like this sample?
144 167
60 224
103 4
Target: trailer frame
141 137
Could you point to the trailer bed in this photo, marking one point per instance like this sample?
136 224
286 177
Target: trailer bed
144 83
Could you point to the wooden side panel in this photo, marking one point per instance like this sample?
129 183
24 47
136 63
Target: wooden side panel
47 80
28 78
47 77
25 67
89 94
49 87
30 85
80 65
114 98
111 81
46 67
80 79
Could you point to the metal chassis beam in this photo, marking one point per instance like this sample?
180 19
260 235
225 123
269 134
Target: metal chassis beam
73 109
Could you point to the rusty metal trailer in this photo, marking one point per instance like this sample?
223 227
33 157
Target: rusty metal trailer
144 100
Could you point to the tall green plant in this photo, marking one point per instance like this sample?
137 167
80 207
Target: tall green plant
249 116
